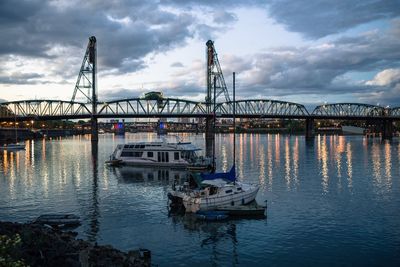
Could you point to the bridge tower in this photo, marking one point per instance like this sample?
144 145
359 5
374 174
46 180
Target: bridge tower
215 87
86 83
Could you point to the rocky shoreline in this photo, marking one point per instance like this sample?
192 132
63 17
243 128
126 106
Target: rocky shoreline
40 245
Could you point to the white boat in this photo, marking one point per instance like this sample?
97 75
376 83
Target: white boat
218 194
160 154
216 190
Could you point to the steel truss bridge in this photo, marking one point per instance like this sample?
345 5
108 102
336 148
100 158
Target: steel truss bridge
161 107
178 108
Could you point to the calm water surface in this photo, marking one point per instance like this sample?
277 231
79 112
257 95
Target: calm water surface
334 201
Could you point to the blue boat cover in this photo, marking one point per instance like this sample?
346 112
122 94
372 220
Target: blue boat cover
228 176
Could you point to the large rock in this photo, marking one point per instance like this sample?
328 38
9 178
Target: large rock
46 246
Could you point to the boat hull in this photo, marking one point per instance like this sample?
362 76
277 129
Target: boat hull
148 163
193 204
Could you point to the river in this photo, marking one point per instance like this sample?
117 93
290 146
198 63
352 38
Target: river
332 201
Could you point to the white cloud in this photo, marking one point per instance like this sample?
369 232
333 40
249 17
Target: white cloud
385 78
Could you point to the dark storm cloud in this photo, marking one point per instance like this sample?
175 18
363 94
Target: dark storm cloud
318 18
20 78
126 31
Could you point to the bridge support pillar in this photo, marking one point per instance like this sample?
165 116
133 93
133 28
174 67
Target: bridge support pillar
210 137
387 129
309 128
94 130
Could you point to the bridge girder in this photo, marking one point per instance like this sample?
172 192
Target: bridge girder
172 107
43 108
144 107
262 108
350 110
395 112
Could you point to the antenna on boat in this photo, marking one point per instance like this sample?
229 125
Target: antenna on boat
234 121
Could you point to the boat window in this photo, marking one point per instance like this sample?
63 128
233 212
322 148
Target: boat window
159 156
149 154
142 146
131 154
131 146
163 157
167 156
176 155
228 191
126 146
187 154
239 188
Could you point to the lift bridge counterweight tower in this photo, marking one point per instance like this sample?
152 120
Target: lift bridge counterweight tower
215 81
87 84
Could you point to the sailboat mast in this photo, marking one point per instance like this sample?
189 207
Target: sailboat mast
234 121
215 85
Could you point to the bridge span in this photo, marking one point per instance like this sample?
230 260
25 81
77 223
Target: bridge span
179 108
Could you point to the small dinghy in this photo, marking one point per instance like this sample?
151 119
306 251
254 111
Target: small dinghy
59 220
252 210
212 215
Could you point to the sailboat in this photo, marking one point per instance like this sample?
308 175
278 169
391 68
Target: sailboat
14 146
219 189
216 189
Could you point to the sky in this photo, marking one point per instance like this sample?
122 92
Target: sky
305 51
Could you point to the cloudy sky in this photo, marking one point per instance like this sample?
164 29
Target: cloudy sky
304 51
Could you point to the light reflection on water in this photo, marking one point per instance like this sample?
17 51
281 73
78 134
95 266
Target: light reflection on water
331 201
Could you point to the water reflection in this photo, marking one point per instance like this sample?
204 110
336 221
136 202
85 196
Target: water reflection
156 176
94 212
296 161
270 163
376 163
349 154
322 152
287 163
356 176
214 235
